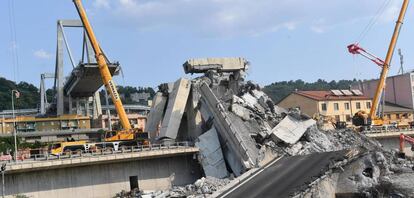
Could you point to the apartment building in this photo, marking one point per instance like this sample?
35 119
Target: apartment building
338 104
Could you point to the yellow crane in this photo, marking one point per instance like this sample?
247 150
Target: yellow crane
127 133
362 118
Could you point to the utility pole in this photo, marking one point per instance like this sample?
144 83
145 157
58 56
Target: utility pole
401 70
3 169
14 122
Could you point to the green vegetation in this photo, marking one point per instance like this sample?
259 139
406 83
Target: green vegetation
279 90
126 93
7 144
29 95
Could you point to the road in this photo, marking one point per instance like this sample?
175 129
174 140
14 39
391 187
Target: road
286 176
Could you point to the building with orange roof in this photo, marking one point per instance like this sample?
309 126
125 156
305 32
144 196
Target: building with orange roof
338 104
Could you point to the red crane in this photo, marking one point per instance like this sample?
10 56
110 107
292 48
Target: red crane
356 49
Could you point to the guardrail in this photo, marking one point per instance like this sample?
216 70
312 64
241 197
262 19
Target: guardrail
105 151
386 129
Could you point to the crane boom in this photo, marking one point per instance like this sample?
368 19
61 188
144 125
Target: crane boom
386 66
355 49
103 67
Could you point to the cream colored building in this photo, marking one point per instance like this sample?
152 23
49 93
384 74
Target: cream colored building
327 103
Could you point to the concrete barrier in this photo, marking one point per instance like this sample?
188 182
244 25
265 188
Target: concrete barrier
103 176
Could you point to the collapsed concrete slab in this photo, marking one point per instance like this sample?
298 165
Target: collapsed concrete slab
177 101
201 65
290 130
194 119
155 115
211 156
239 149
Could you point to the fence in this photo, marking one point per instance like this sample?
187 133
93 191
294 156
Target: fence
106 151
386 129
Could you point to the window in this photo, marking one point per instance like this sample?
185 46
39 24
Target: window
358 105
323 106
398 116
346 106
337 118
368 105
336 106
405 115
348 118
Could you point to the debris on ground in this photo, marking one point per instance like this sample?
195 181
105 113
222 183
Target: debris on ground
199 189
252 131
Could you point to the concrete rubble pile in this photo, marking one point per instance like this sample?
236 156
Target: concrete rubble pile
200 189
235 125
377 173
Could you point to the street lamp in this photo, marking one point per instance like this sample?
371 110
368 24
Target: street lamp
17 94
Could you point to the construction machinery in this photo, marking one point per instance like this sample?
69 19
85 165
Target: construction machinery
112 139
362 118
403 139
127 133
71 146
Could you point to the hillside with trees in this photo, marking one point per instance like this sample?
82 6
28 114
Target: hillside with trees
126 93
279 90
29 97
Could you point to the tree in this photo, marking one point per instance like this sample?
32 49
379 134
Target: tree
126 93
279 90
29 94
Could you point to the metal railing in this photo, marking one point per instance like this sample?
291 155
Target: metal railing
387 129
103 151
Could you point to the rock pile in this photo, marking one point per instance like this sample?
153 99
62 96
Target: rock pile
201 188
248 129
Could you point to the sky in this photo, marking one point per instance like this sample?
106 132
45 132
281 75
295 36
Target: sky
282 39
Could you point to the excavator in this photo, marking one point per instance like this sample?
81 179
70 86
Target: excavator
112 139
403 139
362 118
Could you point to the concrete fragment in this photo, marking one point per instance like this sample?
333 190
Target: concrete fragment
194 120
239 149
291 130
201 65
211 155
177 101
280 110
155 114
250 100
241 111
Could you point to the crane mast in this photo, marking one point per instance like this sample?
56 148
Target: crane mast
103 67
355 49
386 66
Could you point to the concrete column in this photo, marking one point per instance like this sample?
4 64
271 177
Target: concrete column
59 80
86 105
78 111
70 105
175 109
97 108
155 114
